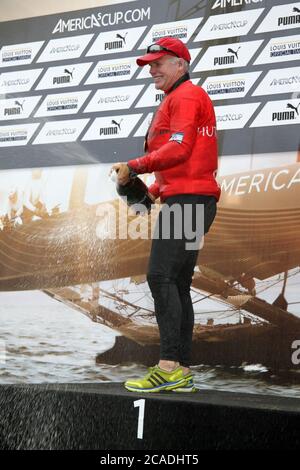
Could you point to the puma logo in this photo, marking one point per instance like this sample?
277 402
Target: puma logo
117 124
68 72
231 51
122 37
17 103
289 105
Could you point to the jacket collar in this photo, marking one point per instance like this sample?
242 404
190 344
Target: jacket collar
178 82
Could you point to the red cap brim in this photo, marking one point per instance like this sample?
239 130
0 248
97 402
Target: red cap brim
147 58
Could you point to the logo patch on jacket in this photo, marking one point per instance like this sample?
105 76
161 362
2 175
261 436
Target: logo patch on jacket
177 137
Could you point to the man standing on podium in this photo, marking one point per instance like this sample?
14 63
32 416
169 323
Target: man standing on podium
181 149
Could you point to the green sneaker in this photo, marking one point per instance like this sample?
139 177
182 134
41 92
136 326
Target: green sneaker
189 385
157 380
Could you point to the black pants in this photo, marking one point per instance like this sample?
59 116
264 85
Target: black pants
171 267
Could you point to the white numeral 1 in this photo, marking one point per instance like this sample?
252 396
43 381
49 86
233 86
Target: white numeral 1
141 405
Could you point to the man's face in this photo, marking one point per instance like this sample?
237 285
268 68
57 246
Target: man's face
166 71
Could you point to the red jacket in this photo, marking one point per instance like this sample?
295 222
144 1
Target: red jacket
182 145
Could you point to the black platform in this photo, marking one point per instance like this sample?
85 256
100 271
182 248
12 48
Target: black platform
103 416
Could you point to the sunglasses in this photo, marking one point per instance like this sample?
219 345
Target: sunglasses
158 48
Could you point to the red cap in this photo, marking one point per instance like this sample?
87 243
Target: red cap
172 44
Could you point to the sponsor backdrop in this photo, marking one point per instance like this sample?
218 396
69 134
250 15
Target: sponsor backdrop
72 102
71 92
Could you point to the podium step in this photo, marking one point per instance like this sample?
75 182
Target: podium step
105 416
